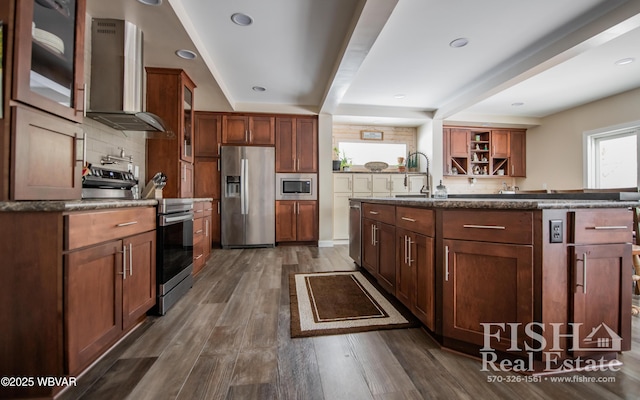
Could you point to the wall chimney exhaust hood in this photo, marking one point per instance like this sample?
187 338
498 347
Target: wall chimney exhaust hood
115 97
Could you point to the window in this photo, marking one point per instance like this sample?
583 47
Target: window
613 158
361 153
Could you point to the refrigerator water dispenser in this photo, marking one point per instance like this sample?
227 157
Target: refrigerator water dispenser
232 186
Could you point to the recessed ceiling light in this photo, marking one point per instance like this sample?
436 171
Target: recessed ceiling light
186 54
241 19
151 2
517 104
625 61
460 42
400 96
258 89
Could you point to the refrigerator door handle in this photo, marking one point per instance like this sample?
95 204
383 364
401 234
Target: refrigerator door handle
245 189
243 174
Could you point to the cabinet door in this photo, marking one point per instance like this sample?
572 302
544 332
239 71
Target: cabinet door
47 163
500 143
285 145
47 76
186 179
186 134
206 177
207 134
601 280
459 142
198 243
307 221
381 183
215 222
307 145
285 221
92 302
235 129
342 183
396 184
386 238
486 282
362 183
416 182
139 286
423 303
262 130
208 229
405 284
370 246
518 152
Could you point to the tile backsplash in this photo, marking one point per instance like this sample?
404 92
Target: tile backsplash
103 141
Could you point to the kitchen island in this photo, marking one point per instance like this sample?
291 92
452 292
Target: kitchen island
530 285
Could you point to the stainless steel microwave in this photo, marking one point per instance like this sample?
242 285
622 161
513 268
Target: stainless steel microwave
296 186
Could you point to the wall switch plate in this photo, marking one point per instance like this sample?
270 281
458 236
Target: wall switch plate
555 231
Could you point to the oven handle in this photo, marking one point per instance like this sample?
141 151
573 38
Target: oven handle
174 219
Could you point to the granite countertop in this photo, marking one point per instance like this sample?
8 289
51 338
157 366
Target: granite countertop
71 205
498 203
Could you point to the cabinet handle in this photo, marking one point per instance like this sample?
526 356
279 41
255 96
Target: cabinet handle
218 165
124 263
199 211
218 208
602 228
84 148
484 226
206 232
374 212
130 259
199 231
249 135
405 249
219 148
127 224
349 181
198 257
408 219
584 272
446 263
410 242
512 169
246 135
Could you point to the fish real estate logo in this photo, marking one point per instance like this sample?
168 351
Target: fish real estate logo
600 339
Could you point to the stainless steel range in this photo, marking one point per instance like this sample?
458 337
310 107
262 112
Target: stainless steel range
174 254
103 183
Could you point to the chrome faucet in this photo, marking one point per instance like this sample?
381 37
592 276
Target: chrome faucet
426 187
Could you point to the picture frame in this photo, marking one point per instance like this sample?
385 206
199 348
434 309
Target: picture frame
371 135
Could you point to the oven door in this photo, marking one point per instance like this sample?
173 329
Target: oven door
175 246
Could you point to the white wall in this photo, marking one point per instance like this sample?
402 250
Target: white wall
325 179
554 149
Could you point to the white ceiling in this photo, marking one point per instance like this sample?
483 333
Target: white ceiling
351 58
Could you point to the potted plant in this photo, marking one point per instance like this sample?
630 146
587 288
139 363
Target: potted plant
412 163
336 163
345 163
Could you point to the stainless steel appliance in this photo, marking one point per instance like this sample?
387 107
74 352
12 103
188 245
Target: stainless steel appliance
174 255
355 228
103 183
248 196
296 186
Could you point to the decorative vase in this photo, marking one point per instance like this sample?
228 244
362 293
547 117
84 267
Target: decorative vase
336 165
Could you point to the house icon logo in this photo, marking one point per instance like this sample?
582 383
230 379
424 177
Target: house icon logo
601 338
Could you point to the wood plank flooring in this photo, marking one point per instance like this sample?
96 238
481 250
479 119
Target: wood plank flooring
229 339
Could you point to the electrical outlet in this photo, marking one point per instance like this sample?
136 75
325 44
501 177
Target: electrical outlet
555 231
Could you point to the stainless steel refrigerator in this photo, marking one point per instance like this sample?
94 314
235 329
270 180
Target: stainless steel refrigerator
248 217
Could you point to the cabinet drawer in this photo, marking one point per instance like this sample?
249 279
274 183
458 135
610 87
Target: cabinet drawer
601 226
87 228
379 212
198 209
207 208
198 228
415 220
489 226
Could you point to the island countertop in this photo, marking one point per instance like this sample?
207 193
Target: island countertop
497 203
71 205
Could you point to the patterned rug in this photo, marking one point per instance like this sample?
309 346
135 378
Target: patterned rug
329 303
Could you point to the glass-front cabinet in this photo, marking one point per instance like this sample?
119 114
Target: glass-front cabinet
49 56
187 124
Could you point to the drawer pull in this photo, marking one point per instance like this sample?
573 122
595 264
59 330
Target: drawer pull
374 212
198 256
199 231
446 263
408 219
130 260
603 228
484 226
127 223
199 211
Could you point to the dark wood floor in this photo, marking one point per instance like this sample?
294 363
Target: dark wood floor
229 339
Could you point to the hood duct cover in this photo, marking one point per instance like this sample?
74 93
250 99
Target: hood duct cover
117 79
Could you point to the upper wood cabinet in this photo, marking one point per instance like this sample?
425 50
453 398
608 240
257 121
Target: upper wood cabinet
484 151
48 58
296 144
170 96
207 134
248 129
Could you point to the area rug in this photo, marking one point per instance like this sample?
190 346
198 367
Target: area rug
329 303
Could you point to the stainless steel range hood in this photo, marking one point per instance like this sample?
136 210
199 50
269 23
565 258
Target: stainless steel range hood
115 97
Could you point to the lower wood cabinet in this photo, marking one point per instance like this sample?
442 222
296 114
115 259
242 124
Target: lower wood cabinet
108 286
486 282
379 252
415 275
296 221
202 228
